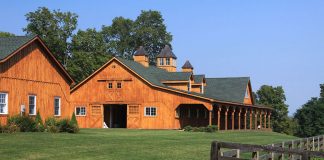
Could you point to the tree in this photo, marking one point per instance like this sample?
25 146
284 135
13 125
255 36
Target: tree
6 34
89 52
310 117
120 37
55 28
150 32
275 97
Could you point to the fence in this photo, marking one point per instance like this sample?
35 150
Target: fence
301 149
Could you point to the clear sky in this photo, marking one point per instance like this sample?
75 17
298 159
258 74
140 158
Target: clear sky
277 42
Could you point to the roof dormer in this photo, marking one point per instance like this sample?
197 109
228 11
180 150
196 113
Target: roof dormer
187 67
167 59
141 56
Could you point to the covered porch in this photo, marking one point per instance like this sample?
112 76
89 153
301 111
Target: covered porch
226 117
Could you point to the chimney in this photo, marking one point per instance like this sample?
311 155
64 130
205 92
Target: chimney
187 67
141 56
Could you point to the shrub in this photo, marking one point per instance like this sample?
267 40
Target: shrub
187 128
10 128
25 123
39 126
211 128
63 125
73 125
52 125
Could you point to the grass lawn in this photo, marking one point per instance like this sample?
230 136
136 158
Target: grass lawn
124 144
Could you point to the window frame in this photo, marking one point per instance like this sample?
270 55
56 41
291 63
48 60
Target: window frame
167 61
6 106
35 104
117 85
59 108
80 115
110 85
161 61
150 112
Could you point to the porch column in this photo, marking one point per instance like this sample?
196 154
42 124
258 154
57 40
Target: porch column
219 109
210 117
245 110
269 119
256 119
251 118
265 119
233 112
226 117
239 118
261 112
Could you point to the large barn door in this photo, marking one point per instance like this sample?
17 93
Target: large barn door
133 116
96 118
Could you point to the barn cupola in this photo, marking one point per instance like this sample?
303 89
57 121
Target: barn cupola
167 60
187 67
141 56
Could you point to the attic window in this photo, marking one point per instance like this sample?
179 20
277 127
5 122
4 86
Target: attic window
167 61
161 61
247 94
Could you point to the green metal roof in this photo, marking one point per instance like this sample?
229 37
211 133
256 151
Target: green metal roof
10 44
227 89
223 89
198 78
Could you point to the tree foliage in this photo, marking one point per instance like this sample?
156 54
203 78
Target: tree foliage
275 97
310 117
6 34
55 28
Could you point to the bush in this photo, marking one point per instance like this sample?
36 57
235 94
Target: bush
10 128
39 126
211 128
52 125
73 125
187 128
25 123
63 125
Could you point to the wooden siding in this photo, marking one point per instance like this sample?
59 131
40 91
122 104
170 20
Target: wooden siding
134 91
32 71
248 100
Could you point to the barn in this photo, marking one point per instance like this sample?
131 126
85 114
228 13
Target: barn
32 80
134 94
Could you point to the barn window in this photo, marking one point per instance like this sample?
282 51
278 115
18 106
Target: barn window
32 104
57 106
167 61
133 109
119 85
150 111
110 85
80 111
246 94
3 103
161 61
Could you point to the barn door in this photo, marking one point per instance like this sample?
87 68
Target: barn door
133 116
96 118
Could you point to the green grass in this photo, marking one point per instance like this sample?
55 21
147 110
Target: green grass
124 144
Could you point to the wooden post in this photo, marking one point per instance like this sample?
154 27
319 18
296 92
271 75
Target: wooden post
226 117
265 119
261 119
251 118
269 120
218 117
233 112
282 156
214 151
210 117
238 153
256 119
255 155
239 118
291 146
313 144
245 119
272 153
318 143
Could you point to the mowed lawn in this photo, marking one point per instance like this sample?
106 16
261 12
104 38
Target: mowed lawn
124 144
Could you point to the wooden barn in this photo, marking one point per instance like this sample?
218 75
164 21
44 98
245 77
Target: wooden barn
123 93
134 94
32 80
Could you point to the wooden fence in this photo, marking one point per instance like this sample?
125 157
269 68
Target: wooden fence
301 149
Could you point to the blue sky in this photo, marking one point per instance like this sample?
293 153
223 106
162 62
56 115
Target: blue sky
274 42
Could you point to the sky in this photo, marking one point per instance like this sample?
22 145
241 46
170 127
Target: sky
278 43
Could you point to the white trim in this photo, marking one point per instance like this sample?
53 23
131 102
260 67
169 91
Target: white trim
85 111
59 98
150 110
35 102
6 103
